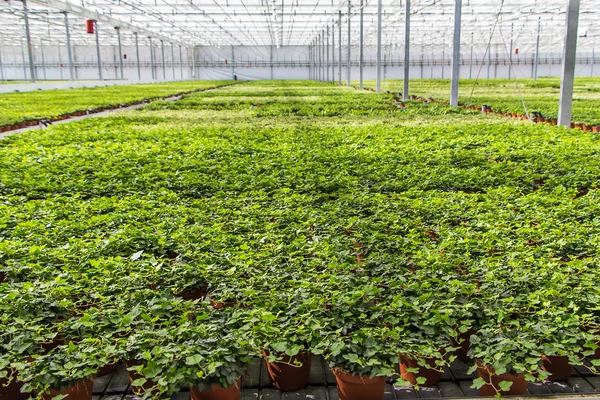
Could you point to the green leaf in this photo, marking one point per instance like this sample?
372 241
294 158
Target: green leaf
139 382
194 360
505 385
478 383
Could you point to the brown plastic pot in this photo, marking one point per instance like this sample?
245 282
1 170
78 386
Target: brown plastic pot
463 347
108 369
133 375
219 305
83 390
194 293
596 129
352 387
492 386
12 391
218 392
431 375
554 121
286 375
586 128
558 366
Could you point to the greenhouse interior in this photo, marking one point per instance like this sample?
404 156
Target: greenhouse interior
301 199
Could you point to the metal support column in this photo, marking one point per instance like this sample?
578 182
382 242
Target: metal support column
29 46
327 55
180 62
568 67
152 59
194 72
406 50
496 63
333 53
1 68
189 64
510 56
379 28
349 63
456 53
60 63
361 46
43 60
69 51
593 61
98 50
340 47
24 63
443 60
137 56
162 51
173 60
323 55
537 50
325 59
271 58
421 62
233 62
471 62
118 29
310 61
318 57
489 51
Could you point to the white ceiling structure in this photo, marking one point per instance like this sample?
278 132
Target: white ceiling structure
297 22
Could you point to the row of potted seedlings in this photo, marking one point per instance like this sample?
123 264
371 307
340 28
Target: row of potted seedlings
208 346
291 373
36 122
534 117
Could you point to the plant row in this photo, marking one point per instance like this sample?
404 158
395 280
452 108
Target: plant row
539 97
18 110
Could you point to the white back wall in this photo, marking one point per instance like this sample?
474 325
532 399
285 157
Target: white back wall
261 62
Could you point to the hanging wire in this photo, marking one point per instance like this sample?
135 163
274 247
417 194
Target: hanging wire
514 75
487 49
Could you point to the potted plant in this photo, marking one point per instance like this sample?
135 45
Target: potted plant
67 372
284 332
361 362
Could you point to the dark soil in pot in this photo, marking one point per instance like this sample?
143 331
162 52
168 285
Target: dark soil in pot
81 391
11 391
492 386
291 373
432 376
352 387
218 392
558 367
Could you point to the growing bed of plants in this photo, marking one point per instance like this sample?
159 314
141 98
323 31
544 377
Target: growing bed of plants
188 238
50 104
503 95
